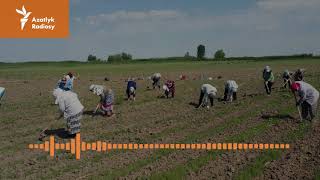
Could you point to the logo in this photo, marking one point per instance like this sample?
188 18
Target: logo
25 15
34 19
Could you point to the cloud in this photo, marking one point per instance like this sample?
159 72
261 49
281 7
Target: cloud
75 1
287 4
267 27
120 16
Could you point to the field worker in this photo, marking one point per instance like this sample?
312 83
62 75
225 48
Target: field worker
183 77
69 82
268 79
106 100
286 78
309 97
207 91
97 89
2 90
299 75
169 88
71 109
156 77
61 83
131 89
230 91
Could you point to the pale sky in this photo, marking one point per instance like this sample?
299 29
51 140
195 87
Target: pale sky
162 28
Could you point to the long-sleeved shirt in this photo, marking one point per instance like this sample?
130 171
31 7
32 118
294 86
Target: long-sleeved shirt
156 76
69 84
61 84
97 89
107 99
1 92
171 85
131 84
231 85
308 93
208 89
268 76
69 104
286 75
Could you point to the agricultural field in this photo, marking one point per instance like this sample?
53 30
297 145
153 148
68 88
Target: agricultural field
254 118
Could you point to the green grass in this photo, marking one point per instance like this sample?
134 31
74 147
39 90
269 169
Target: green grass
317 175
180 171
256 168
188 139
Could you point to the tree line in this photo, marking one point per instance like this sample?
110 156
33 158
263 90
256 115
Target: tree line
201 55
121 57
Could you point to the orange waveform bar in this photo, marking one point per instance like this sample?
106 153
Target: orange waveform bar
73 146
52 146
76 146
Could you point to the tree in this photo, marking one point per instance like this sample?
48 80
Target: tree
201 52
120 57
219 54
126 56
92 58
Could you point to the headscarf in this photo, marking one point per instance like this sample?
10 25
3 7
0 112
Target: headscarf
165 88
97 89
267 69
2 90
57 93
132 89
295 86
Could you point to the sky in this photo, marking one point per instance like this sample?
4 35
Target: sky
163 28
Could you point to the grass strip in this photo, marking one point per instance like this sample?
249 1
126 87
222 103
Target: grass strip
195 164
257 167
190 138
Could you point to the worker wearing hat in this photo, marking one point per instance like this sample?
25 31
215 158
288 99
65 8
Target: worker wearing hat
2 90
230 91
131 89
207 92
286 78
268 78
308 98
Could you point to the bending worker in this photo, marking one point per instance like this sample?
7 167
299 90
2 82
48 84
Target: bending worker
308 101
268 79
207 92
230 91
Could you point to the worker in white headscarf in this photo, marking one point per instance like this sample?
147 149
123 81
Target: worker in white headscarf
106 99
2 90
71 109
268 78
156 77
207 91
230 91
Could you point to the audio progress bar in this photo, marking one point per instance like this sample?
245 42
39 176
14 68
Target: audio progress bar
75 146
